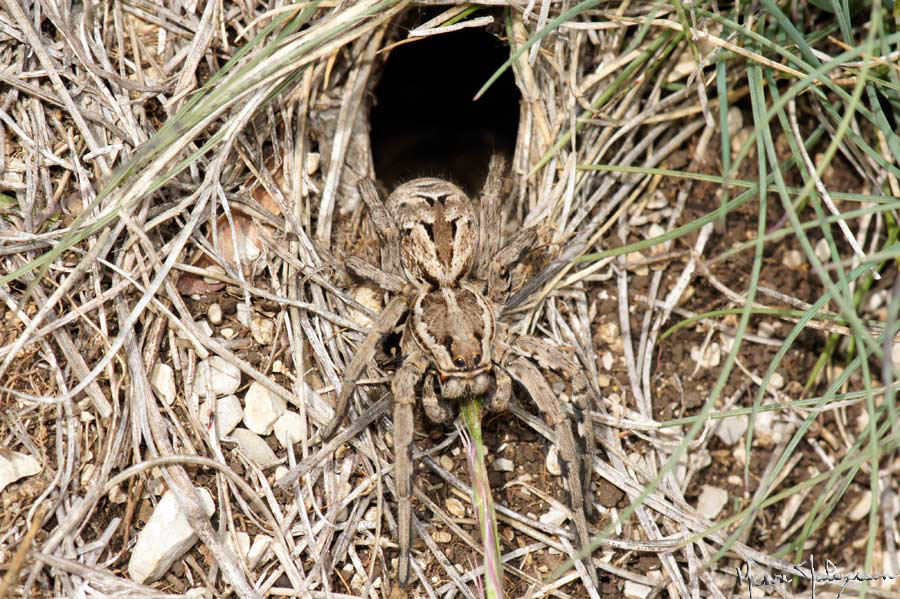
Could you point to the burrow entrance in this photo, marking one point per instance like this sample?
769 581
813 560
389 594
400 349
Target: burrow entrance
424 122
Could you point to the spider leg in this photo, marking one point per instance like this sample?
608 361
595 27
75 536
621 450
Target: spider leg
385 227
498 400
489 233
404 390
438 409
530 377
387 320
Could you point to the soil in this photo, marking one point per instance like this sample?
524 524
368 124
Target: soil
680 389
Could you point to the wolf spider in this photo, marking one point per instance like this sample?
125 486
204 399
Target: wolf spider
443 260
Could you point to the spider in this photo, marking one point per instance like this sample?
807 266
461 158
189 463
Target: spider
444 262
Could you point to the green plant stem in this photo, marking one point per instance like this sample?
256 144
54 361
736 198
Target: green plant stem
482 500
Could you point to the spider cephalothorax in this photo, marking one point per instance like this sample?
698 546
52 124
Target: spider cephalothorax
438 235
438 254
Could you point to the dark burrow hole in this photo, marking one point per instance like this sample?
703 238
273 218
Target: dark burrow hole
424 122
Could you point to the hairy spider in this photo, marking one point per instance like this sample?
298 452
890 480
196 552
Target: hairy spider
443 260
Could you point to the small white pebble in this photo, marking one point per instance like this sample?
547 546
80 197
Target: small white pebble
288 428
228 413
554 517
223 378
735 119
162 380
776 381
242 314
823 252
710 358
261 544
607 360
14 465
441 536
455 507
503 465
732 429
117 495
262 409
793 259
255 448
711 501
552 461
263 330
446 463
861 508
214 313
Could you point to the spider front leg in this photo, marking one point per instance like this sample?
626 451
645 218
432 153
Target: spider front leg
386 322
404 390
385 227
576 463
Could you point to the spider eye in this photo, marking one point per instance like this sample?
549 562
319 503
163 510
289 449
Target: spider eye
459 362
478 358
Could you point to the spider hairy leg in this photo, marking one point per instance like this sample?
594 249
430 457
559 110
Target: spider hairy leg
530 377
386 322
404 390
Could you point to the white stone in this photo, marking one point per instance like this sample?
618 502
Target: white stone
262 329
823 252
239 543
455 507
162 380
281 471
655 230
227 333
607 360
117 495
635 590
14 465
228 413
793 259
554 517
735 119
312 162
861 508
370 297
446 462
258 550
165 538
255 448
223 378
552 461
242 313
776 381
710 358
766 329
732 429
503 465
261 409
288 429
214 313
441 536
711 501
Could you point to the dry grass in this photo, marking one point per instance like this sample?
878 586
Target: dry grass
128 129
